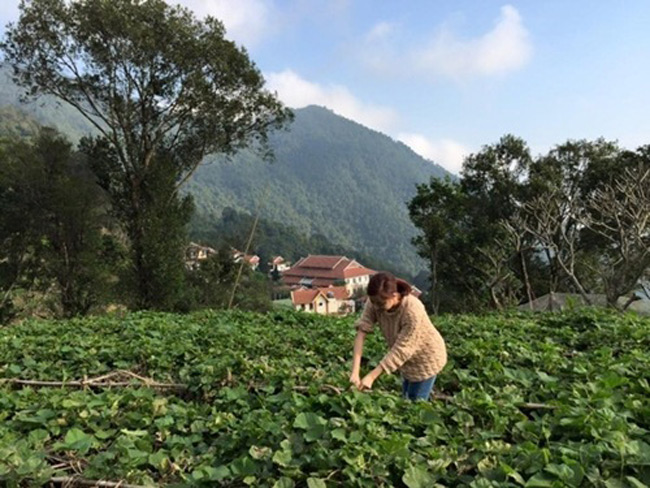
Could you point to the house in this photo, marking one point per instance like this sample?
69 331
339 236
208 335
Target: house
252 260
195 253
317 271
279 264
332 300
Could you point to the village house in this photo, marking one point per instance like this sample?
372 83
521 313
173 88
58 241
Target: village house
252 260
333 300
195 253
317 271
278 264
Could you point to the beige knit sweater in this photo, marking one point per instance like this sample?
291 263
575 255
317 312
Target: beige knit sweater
417 349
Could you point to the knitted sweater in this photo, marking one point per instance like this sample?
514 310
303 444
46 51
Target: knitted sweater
417 349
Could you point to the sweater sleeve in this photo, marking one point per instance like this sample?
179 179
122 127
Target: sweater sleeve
407 343
367 319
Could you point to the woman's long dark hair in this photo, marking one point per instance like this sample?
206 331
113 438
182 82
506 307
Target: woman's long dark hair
384 284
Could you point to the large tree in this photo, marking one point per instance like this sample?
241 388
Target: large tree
461 221
156 83
438 211
51 225
559 187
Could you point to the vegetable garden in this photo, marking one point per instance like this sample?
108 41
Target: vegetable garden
236 399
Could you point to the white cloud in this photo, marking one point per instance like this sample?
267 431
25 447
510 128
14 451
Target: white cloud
447 153
505 48
380 31
297 92
246 21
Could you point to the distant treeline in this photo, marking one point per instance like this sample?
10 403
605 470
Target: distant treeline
270 239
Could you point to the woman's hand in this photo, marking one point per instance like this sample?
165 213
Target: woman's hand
366 383
355 379
369 379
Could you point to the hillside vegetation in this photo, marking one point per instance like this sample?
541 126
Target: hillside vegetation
536 401
331 176
46 111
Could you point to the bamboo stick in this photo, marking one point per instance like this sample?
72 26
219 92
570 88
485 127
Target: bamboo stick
92 384
70 481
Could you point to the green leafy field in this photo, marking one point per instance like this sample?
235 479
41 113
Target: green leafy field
537 401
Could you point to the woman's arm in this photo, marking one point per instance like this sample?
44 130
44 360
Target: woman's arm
364 326
356 358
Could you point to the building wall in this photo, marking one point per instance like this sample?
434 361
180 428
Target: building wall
357 283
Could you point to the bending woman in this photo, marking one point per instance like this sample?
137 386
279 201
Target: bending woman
417 350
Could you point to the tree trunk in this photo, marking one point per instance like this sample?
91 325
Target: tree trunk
435 299
529 289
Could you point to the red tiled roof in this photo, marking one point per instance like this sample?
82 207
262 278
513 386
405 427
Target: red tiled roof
321 262
304 296
327 267
338 292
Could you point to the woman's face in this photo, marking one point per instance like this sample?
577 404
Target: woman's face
386 303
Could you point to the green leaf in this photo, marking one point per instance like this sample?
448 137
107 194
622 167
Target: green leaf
309 420
541 480
157 459
282 458
284 483
511 473
243 466
415 477
338 434
315 433
635 482
78 440
316 483
260 452
614 483
562 471
215 474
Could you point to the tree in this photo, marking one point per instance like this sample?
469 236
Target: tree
211 285
620 214
157 267
559 186
157 85
437 210
459 223
493 180
52 221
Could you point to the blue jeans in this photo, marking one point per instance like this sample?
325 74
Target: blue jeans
417 390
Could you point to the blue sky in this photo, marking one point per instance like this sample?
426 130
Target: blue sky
447 77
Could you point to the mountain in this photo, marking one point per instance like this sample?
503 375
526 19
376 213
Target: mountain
46 111
331 176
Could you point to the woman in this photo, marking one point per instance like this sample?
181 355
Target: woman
417 349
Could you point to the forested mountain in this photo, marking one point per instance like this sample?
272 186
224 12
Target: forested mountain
331 176
45 111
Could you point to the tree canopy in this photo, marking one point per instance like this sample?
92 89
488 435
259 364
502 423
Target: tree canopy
163 90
